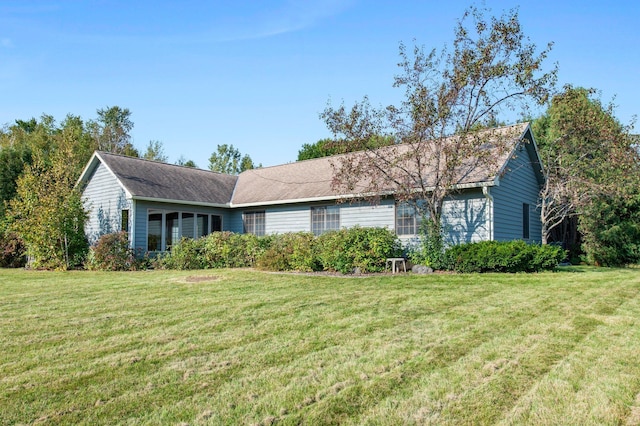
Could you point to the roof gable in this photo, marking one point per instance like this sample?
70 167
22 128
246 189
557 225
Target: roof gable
144 179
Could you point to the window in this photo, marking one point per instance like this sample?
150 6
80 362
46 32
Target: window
165 228
525 221
216 223
124 220
325 219
407 219
254 223
154 232
202 225
172 235
187 225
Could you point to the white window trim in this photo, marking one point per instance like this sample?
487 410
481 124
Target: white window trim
163 224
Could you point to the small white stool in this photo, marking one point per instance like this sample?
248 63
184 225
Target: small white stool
394 260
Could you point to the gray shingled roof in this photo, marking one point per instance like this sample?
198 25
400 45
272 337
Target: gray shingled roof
153 180
311 179
293 182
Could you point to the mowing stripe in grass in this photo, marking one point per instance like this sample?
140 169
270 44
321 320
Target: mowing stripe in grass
259 348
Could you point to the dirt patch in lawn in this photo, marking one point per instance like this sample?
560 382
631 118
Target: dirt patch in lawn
201 278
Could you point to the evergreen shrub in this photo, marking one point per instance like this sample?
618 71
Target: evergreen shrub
502 256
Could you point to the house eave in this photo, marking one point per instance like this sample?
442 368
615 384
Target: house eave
182 202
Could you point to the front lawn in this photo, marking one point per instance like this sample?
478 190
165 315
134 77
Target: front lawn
239 346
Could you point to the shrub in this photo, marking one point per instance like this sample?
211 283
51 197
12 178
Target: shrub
290 252
186 254
112 253
431 249
611 228
229 250
12 251
363 248
502 256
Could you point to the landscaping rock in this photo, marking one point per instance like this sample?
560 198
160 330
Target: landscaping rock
421 269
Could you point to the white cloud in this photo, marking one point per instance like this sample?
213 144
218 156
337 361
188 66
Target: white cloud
290 16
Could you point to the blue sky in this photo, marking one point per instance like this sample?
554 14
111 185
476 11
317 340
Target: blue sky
256 74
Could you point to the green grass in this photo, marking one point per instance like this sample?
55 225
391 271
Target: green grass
259 348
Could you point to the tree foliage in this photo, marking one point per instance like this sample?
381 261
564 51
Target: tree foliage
329 147
448 97
112 130
155 152
228 159
40 162
186 163
611 224
47 213
587 155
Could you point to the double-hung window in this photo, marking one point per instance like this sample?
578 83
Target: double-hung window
254 223
408 219
325 218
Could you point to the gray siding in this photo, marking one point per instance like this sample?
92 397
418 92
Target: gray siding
519 185
367 215
297 217
105 199
234 224
465 218
291 218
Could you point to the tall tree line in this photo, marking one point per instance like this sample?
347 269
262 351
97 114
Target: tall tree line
40 163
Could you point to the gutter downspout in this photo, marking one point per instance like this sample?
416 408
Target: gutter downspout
489 197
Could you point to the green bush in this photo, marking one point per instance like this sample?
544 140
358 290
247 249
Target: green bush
502 256
363 248
186 254
229 250
611 231
431 248
12 251
290 252
112 253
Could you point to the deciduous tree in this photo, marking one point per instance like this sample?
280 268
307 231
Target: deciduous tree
587 154
155 152
185 163
329 147
112 130
228 159
47 213
448 97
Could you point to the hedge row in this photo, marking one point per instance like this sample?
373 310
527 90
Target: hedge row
502 256
345 251
364 249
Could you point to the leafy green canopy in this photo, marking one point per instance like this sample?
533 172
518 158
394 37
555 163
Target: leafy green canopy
228 159
592 170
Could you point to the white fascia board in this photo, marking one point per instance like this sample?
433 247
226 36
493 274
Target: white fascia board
188 203
93 163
